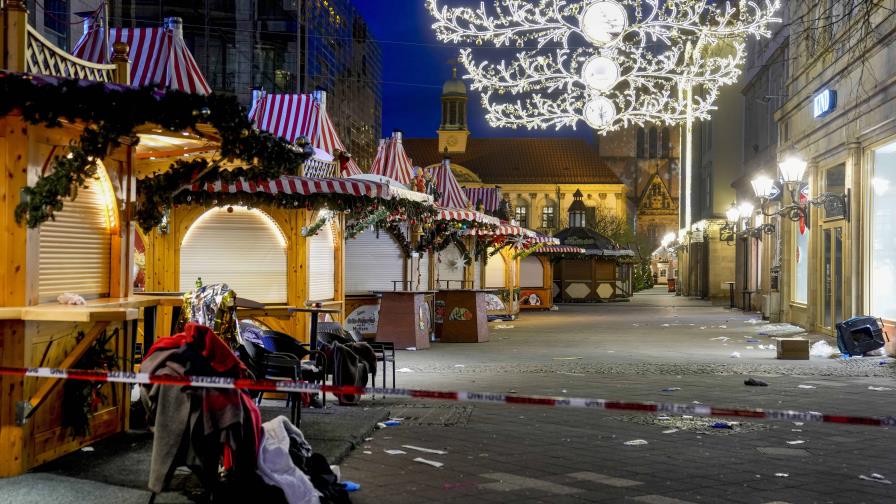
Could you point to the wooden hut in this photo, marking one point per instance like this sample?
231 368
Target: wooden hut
601 273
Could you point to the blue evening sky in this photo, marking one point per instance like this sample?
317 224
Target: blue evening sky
415 65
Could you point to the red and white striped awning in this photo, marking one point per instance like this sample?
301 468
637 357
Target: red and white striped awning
458 214
290 116
559 249
392 161
450 193
300 186
159 56
540 238
506 229
490 197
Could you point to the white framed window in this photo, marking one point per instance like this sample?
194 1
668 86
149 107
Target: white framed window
883 239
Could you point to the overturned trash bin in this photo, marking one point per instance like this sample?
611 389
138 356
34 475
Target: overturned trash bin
860 335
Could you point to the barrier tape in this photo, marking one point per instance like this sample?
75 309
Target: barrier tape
702 410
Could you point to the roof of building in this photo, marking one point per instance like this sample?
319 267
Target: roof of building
541 160
454 86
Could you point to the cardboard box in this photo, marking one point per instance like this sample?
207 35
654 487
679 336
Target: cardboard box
793 349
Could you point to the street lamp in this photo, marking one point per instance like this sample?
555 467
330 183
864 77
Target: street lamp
793 169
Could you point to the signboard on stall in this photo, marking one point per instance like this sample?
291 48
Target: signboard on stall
363 319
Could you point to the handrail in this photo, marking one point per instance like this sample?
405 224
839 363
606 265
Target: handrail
320 169
43 57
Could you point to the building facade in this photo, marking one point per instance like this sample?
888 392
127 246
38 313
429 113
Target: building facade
846 262
283 47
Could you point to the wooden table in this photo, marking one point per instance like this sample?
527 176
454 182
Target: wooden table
405 318
461 316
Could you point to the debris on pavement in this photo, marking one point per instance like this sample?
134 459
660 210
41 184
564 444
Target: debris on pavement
805 386
781 475
459 365
753 382
635 442
426 450
720 338
504 326
411 349
722 425
405 370
798 441
670 431
396 452
671 389
392 422
429 462
87 449
823 349
735 355
566 358
752 340
749 348
879 389
351 486
877 478
368 452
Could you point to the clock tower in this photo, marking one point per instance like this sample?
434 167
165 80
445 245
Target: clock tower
453 130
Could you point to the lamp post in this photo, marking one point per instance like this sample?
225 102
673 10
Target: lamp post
793 169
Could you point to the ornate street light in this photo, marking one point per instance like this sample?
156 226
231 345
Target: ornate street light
793 169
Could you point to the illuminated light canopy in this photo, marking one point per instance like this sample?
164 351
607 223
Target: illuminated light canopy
637 54
793 169
763 187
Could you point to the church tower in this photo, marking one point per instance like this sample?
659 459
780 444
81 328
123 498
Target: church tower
453 130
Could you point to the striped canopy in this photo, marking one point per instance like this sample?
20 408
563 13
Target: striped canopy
158 56
450 193
290 116
457 214
490 197
559 249
392 161
540 238
305 186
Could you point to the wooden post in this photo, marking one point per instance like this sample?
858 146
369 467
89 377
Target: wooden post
122 64
16 35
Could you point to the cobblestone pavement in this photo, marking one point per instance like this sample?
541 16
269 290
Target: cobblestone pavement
631 351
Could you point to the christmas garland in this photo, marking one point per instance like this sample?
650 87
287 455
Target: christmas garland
361 223
313 229
111 114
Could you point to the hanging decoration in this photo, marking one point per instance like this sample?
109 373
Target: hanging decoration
111 114
313 229
609 63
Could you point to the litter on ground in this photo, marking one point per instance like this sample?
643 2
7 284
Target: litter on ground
429 462
781 475
395 452
567 358
798 441
670 431
823 349
426 450
877 478
735 355
879 389
671 389
405 370
636 442
753 382
504 326
805 386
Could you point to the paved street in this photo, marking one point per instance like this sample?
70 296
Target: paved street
631 351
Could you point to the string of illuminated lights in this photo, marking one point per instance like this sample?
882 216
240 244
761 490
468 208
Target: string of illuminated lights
623 62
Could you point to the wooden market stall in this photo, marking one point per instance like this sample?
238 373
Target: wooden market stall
537 276
601 274
67 210
460 305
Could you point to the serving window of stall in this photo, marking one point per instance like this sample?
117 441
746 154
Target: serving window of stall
883 239
494 271
76 246
450 266
240 247
322 260
373 260
531 272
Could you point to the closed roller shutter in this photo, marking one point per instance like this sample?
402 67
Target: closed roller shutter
419 274
372 262
494 272
531 273
76 248
322 265
243 249
477 274
450 266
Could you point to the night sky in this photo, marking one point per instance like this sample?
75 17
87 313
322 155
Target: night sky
415 65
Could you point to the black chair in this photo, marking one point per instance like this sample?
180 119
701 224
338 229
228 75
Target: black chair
313 370
384 351
277 367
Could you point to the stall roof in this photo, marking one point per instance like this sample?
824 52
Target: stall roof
559 249
392 161
490 197
450 193
458 214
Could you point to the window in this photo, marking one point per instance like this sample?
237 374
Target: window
665 144
547 216
652 143
521 214
835 182
576 218
56 21
883 239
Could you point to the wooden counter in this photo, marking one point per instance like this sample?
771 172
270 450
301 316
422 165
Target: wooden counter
405 318
461 316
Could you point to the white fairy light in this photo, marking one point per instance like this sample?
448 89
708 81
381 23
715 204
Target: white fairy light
581 60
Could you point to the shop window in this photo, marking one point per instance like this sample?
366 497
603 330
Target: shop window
883 239
835 182
800 263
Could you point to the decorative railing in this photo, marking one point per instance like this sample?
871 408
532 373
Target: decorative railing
320 169
43 57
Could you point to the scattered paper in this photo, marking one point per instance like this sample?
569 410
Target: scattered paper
405 370
823 349
87 449
567 358
427 450
781 475
796 430
749 348
877 478
702 327
735 355
636 442
723 327
798 424
429 462
879 389
665 325
798 441
720 338
504 326
805 386
368 452
395 452
671 389
459 365
670 431
368 439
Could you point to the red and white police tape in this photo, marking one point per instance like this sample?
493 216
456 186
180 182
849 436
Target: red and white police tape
486 397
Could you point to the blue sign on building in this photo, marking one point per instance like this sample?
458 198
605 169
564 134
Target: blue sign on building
824 103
